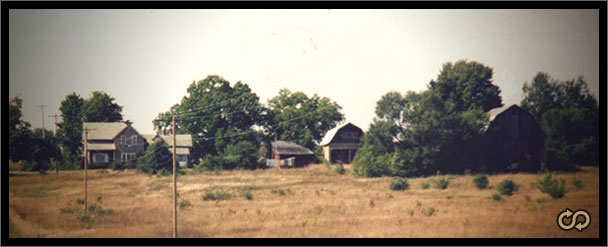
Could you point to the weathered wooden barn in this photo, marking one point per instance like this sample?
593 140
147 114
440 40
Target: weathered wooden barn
282 150
516 138
341 143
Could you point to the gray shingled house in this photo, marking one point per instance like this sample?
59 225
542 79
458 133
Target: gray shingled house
107 142
183 143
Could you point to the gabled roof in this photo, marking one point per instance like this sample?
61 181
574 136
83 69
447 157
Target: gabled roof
182 140
329 136
149 137
103 131
287 148
494 112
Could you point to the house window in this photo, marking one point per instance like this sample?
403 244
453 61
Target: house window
123 140
127 156
100 157
134 140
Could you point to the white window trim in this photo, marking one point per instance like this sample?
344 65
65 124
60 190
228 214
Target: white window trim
123 140
134 140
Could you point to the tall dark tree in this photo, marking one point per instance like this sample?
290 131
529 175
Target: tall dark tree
20 135
69 131
468 85
439 129
100 107
569 117
296 117
219 117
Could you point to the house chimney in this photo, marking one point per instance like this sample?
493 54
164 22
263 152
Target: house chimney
128 122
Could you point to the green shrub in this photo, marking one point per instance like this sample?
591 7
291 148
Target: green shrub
80 201
481 181
35 166
182 204
84 218
117 165
507 187
551 186
399 184
217 195
278 191
577 183
496 197
247 194
340 169
442 184
425 185
156 158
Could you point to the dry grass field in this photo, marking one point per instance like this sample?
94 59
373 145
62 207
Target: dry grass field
310 202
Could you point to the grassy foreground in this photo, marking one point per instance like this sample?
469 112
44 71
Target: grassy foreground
310 202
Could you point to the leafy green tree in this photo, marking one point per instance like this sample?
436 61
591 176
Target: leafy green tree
157 159
569 117
100 107
217 116
571 137
44 149
468 85
434 130
296 117
69 131
19 132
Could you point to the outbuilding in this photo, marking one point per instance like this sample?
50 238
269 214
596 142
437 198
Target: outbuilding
341 143
516 139
286 150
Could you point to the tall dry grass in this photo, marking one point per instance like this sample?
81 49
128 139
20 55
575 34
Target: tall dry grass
315 202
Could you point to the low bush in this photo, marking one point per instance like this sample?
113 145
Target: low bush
216 195
399 184
496 197
117 165
340 169
507 187
182 204
425 185
577 183
551 186
442 184
247 194
481 181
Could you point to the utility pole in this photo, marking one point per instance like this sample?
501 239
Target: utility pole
42 112
86 161
174 183
55 116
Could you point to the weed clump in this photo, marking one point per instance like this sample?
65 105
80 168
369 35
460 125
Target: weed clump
247 194
577 183
182 204
442 184
481 181
551 186
399 184
211 195
507 187
425 185
496 197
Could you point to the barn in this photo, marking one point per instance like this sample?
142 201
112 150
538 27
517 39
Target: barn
341 143
516 138
282 150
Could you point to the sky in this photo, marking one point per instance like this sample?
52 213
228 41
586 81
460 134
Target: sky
146 59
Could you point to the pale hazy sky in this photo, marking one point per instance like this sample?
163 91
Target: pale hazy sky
147 58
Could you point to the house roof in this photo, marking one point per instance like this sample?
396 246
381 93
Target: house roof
180 151
329 136
149 138
287 147
180 140
494 112
103 131
101 147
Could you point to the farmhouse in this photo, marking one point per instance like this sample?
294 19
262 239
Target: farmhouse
282 150
183 143
341 143
107 142
516 138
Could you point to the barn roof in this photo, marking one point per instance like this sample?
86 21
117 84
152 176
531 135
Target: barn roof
103 131
494 112
286 147
329 136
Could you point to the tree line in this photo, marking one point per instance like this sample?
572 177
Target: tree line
440 129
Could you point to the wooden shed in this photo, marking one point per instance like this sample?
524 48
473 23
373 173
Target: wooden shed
516 138
341 143
282 150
